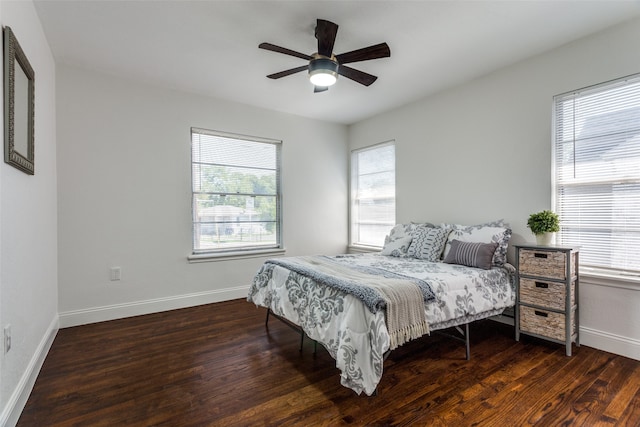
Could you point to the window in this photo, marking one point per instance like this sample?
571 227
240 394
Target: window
597 174
373 194
236 192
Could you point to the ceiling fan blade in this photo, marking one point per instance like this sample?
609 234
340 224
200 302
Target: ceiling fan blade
288 72
274 48
366 53
317 89
356 75
326 34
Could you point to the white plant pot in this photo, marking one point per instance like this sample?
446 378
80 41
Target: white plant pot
545 239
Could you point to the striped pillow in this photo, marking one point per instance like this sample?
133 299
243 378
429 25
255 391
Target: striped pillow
485 233
471 254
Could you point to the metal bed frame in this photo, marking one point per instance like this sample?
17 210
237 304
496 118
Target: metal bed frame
464 338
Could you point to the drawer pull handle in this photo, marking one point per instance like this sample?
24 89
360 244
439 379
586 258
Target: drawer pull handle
541 313
542 285
537 255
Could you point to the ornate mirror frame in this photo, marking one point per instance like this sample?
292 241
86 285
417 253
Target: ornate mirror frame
19 105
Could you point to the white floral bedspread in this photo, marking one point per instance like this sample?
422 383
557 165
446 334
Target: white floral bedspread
357 338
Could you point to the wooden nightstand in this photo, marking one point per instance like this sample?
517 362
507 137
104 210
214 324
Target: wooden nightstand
547 293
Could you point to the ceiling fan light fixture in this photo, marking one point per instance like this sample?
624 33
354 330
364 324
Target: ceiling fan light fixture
323 72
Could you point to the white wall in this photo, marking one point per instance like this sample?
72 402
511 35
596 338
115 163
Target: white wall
482 151
28 224
124 194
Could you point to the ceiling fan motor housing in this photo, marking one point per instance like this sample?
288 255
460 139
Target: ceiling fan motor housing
323 65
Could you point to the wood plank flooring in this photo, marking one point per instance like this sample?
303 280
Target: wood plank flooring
217 365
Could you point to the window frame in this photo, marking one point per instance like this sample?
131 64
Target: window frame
233 252
353 244
605 275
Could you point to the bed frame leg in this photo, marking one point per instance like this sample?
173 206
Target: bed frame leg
464 338
298 329
467 341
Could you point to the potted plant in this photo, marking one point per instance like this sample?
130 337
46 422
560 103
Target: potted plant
543 225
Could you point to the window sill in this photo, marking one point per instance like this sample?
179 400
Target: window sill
227 256
596 277
362 249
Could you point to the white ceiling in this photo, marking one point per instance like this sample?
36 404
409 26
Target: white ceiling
211 47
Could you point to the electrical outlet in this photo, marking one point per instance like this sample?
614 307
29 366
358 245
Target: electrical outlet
115 273
7 338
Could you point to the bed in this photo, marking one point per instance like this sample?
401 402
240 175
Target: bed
322 296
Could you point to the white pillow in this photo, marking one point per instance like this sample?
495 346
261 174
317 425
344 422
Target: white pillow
396 247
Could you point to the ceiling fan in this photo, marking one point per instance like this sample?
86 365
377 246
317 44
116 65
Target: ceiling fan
324 66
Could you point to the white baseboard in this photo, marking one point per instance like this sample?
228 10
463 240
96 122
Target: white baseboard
17 401
612 343
136 308
605 341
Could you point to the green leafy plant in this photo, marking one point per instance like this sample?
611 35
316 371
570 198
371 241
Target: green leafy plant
544 222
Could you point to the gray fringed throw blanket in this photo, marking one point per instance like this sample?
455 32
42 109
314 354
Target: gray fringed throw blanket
402 297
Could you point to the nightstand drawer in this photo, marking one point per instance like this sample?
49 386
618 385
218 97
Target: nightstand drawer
546 294
545 263
544 323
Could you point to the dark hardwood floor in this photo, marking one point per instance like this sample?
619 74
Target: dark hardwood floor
217 365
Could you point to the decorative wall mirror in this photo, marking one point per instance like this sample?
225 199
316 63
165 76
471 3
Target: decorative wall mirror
19 103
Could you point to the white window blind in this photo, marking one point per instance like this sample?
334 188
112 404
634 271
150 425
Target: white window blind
597 174
373 194
236 192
